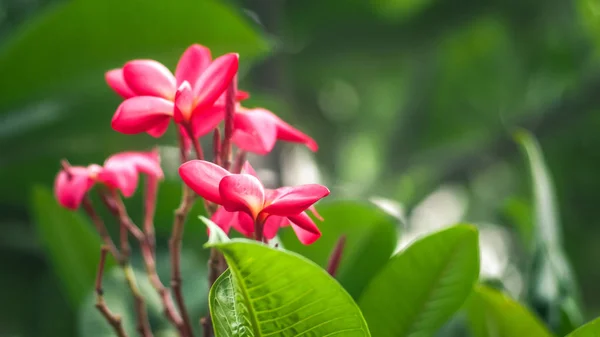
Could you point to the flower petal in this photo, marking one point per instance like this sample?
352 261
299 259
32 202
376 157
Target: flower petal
314 211
248 169
120 175
144 162
224 219
255 131
242 193
305 229
70 188
159 129
149 78
203 177
214 80
142 113
288 133
288 201
244 224
184 101
116 81
241 95
272 225
192 63
207 120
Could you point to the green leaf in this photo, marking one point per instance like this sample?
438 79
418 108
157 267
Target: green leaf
551 287
371 237
421 287
73 246
269 292
493 314
216 233
109 33
591 329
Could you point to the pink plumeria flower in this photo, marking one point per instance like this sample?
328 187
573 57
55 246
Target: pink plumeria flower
154 95
257 130
119 172
246 202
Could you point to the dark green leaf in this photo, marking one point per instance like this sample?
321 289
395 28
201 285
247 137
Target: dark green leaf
371 237
72 245
271 292
421 287
493 314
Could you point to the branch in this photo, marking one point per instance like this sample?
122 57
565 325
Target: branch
149 210
113 319
143 325
229 113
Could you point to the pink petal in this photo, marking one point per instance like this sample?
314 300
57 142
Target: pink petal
272 225
290 134
215 79
159 129
149 78
69 191
120 175
116 81
224 219
142 162
287 201
203 177
205 121
241 95
305 229
242 193
184 101
192 63
314 211
142 113
248 169
244 224
255 132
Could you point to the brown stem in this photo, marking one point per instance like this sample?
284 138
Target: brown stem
217 146
124 237
258 230
229 113
336 256
206 325
187 201
113 319
108 242
120 212
149 210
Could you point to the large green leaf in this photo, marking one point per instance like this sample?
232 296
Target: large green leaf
270 292
421 287
493 314
72 245
591 329
371 237
551 287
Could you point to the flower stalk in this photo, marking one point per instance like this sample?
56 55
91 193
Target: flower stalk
113 319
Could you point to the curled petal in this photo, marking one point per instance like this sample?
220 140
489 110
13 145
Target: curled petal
159 129
214 80
242 193
120 175
272 225
255 132
224 219
149 78
116 81
305 229
205 121
184 101
288 133
70 188
141 114
241 95
286 201
203 177
314 211
144 162
192 63
244 224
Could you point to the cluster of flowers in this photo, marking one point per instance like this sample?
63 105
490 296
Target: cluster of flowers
198 98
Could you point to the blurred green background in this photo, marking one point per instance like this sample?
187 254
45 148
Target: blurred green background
413 103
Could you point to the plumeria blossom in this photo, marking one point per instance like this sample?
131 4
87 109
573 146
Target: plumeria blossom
247 205
119 172
154 96
257 130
